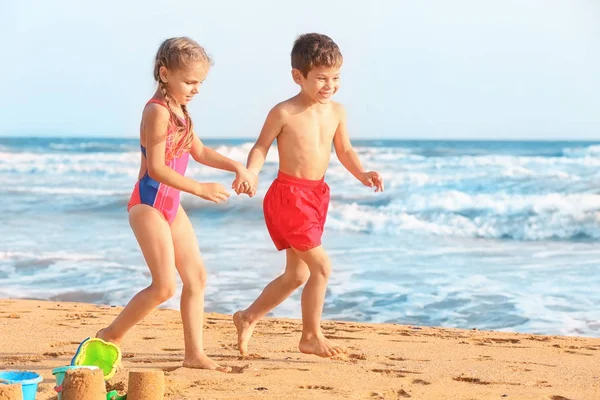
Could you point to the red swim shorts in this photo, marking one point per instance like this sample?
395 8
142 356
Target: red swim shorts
295 211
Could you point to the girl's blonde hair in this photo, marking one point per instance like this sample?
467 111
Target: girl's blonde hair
176 53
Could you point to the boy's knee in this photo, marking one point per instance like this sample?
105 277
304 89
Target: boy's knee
297 278
321 269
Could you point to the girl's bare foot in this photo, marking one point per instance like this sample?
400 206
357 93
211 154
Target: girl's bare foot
104 334
202 361
320 346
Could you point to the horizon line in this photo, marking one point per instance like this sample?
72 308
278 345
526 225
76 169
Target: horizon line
249 138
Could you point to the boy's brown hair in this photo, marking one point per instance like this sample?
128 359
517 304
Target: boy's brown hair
313 50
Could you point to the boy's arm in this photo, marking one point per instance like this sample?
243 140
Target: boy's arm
348 157
271 129
156 122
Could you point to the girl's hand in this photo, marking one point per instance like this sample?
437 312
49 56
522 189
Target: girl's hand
214 192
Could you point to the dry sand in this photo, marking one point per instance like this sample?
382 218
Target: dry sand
383 361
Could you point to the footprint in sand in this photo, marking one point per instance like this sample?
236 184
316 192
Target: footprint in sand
421 382
321 387
239 370
540 338
357 356
396 358
61 344
335 337
578 352
478 381
348 330
251 356
393 394
54 354
397 373
471 380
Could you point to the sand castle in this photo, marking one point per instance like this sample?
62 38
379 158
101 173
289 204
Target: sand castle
146 385
11 392
84 384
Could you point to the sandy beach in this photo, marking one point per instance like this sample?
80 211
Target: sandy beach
384 361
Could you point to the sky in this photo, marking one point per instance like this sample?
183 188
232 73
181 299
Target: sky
427 69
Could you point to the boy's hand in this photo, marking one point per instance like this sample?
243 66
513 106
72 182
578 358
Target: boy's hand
372 179
245 182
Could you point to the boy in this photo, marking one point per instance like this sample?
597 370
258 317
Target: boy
296 204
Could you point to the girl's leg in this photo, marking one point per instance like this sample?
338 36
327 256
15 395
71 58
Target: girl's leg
154 237
193 275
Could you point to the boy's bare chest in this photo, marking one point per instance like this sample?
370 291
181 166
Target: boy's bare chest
311 129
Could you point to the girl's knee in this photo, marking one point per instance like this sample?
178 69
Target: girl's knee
196 281
163 291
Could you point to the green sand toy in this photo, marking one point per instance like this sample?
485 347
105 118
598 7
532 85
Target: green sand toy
114 395
97 352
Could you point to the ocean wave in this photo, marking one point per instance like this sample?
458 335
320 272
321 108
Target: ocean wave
582 152
45 190
530 218
91 147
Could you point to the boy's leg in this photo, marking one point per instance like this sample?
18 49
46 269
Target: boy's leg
295 274
154 237
193 275
313 297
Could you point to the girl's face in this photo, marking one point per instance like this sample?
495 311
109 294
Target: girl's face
184 83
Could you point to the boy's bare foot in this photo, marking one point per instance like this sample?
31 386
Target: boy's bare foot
104 335
204 362
244 331
320 346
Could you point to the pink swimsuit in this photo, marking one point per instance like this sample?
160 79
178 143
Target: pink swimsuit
158 195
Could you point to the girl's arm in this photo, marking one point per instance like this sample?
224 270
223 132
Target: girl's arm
154 129
207 156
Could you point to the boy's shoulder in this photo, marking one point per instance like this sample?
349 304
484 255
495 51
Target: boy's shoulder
337 107
283 109
287 105
292 104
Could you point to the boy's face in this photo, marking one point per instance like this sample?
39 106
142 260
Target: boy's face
320 84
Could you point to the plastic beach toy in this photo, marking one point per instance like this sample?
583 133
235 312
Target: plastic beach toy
98 353
27 379
114 395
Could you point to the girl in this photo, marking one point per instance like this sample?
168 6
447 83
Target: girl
161 226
